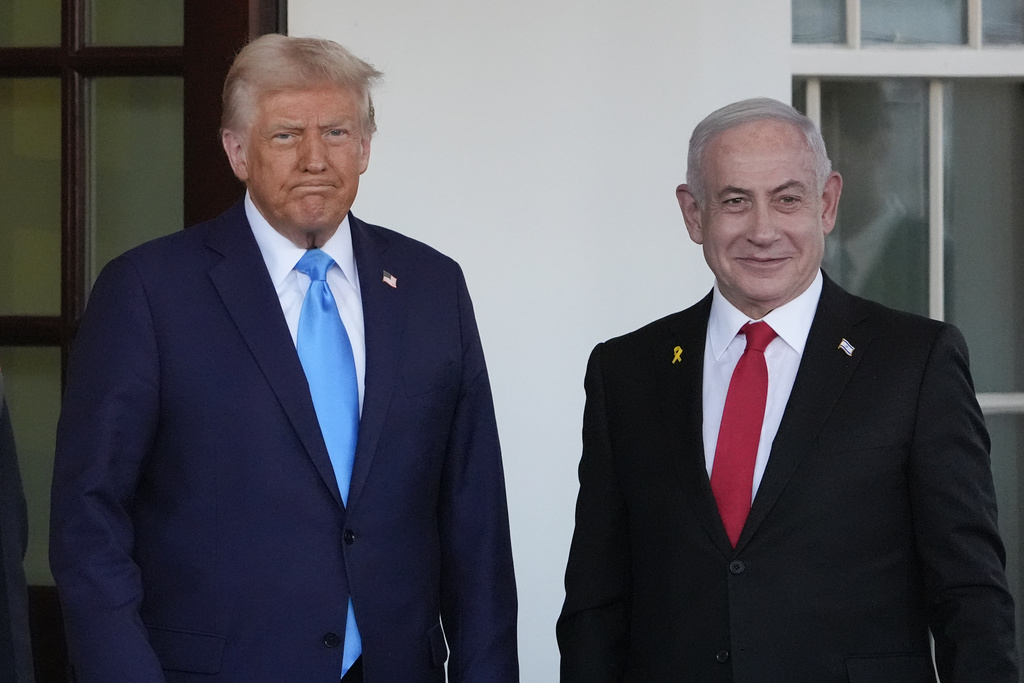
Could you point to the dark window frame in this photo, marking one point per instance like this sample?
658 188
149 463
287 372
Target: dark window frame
213 34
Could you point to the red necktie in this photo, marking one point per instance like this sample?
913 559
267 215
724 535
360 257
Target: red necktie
732 475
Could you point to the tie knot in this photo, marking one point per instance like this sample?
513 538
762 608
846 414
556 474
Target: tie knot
315 263
759 335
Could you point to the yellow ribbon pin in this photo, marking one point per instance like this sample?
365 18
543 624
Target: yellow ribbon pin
678 351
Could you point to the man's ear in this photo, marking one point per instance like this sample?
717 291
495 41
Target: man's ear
830 201
691 213
234 147
364 157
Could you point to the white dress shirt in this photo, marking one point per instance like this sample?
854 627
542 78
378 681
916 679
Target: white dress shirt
722 350
281 255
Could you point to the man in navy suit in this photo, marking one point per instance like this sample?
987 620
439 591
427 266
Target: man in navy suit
865 517
199 529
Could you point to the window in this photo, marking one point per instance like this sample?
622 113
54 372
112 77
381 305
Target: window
921 103
91 137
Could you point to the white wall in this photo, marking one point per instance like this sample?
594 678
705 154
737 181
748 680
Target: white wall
539 143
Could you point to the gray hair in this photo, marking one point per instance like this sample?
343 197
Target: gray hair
737 114
276 63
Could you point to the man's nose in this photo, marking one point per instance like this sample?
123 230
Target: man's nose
313 154
763 228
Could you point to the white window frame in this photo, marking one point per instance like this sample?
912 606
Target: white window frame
935 64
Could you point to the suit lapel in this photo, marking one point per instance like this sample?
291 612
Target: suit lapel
824 371
247 292
383 319
682 385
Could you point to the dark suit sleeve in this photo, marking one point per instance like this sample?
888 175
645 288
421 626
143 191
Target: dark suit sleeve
478 592
15 651
954 509
593 629
107 424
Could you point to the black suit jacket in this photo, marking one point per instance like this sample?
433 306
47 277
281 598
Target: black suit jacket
15 652
875 519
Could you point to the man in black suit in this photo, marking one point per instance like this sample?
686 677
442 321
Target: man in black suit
859 517
15 653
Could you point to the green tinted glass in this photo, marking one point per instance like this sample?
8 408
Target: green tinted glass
1002 22
30 23
819 21
984 209
1007 432
30 193
139 22
136 187
877 135
914 22
32 388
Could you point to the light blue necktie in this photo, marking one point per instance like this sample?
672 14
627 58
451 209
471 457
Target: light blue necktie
326 356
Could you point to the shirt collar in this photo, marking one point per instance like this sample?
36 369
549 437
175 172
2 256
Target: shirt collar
791 321
281 254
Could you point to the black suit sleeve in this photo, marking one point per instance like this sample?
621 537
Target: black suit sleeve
593 629
15 654
954 512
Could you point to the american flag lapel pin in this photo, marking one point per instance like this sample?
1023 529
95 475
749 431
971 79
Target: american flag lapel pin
390 279
846 347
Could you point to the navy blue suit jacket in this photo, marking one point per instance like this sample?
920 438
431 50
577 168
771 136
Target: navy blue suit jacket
197 529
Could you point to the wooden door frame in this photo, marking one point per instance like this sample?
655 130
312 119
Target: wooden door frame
214 33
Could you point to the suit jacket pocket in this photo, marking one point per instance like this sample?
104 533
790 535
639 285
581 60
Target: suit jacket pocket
891 669
438 648
188 651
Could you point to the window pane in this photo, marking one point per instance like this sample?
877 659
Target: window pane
914 21
32 387
136 184
139 22
876 135
819 21
1002 22
30 196
1007 432
985 227
29 23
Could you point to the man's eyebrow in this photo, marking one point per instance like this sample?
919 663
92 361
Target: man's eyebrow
283 123
784 187
789 185
732 189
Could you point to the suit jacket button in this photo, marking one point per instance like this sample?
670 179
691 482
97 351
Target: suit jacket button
350 536
722 656
737 567
332 639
